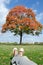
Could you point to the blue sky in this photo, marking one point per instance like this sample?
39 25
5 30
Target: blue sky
6 5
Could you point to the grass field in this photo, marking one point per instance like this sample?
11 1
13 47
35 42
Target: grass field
33 52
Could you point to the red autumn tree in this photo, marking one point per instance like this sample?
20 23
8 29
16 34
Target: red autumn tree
21 20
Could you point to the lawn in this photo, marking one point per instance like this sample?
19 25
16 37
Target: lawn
33 52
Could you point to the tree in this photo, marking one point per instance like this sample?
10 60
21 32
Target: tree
21 20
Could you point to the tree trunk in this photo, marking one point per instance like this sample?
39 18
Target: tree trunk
20 37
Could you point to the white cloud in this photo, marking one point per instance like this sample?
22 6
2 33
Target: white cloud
16 0
39 16
3 11
35 11
37 3
7 1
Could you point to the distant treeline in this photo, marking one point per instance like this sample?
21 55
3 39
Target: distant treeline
39 43
15 43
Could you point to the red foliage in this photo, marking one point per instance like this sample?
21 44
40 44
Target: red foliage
21 16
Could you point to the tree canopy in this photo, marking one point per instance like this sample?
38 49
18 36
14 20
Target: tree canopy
21 20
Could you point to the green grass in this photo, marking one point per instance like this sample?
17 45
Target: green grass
33 52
